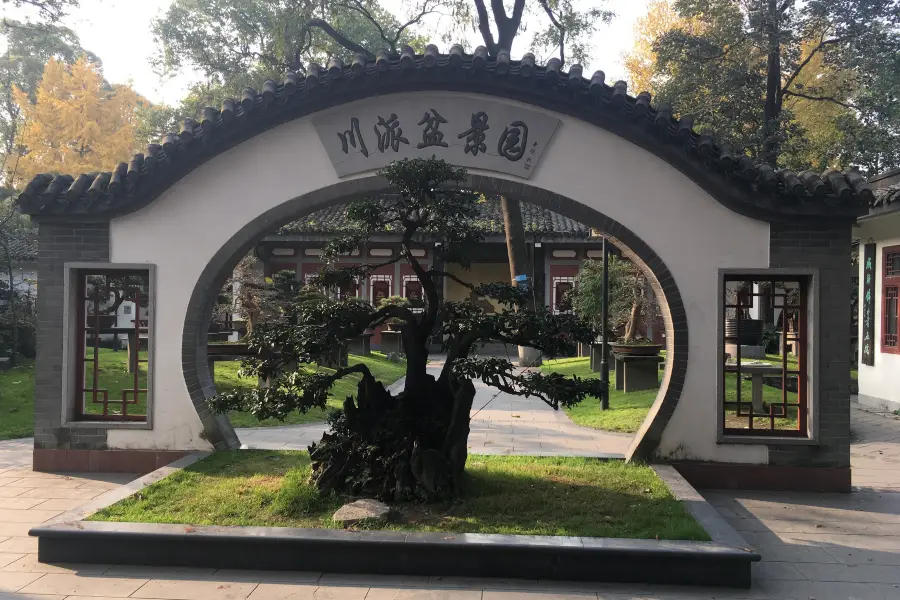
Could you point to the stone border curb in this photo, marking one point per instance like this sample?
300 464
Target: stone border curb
725 561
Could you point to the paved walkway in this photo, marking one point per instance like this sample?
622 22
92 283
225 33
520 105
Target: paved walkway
501 424
814 546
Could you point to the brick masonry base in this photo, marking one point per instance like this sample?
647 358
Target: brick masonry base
104 461
722 476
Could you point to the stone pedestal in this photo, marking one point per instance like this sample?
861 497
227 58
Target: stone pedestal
530 357
337 359
596 350
391 342
636 373
361 346
746 351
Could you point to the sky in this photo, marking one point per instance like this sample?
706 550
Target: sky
118 31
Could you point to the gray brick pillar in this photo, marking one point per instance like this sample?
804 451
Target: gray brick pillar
57 245
825 247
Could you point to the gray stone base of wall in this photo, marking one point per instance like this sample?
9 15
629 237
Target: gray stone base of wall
873 403
733 476
103 461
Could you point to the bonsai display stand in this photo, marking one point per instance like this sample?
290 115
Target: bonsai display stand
391 342
635 372
746 351
596 351
361 345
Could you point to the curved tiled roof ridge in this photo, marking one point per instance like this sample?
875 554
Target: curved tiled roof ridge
886 195
732 177
536 220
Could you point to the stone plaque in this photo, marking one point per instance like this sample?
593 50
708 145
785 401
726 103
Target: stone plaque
468 132
867 344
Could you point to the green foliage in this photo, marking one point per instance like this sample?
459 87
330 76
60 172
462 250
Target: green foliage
630 300
28 48
750 71
241 43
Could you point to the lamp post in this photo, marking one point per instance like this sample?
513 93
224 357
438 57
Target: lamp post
604 347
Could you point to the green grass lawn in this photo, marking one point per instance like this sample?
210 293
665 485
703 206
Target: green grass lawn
17 401
626 411
512 495
17 391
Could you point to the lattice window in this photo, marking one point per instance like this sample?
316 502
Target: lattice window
890 305
113 350
891 316
892 264
764 380
413 291
562 287
380 287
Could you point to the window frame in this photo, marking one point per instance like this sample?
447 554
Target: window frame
378 277
811 358
72 313
556 280
892 281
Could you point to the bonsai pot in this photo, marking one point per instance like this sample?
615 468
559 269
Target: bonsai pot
751 331
637 349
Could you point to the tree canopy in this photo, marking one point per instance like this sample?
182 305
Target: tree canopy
794 83
77 123
28 48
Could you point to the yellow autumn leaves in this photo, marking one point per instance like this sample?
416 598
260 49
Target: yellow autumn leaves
79 123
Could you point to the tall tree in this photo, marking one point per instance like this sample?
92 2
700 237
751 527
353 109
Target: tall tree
641 62
78 122
750 60
28 48
240 43
411 445
47 10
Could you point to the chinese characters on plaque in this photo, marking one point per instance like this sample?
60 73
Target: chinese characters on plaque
468 132
867 343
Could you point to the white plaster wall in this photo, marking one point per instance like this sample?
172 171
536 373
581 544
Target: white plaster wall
693 233
882 380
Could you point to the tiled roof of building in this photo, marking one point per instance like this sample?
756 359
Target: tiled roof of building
537 220
23 246
733 178
887 195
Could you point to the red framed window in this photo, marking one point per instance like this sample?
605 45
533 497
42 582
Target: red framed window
766 393
562 288
890 301
113 333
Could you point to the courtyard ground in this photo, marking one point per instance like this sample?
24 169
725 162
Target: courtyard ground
819 546
500 423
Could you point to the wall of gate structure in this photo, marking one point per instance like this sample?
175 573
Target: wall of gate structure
204 212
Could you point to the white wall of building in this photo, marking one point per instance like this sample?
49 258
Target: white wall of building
881 381
692 232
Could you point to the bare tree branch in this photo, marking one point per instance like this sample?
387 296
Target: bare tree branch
562 30
819 98
484 26
822 43
339 37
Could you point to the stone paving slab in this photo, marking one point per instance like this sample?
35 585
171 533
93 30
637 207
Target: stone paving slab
819 546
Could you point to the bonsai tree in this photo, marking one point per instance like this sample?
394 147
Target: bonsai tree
411 445
397 302
630 298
